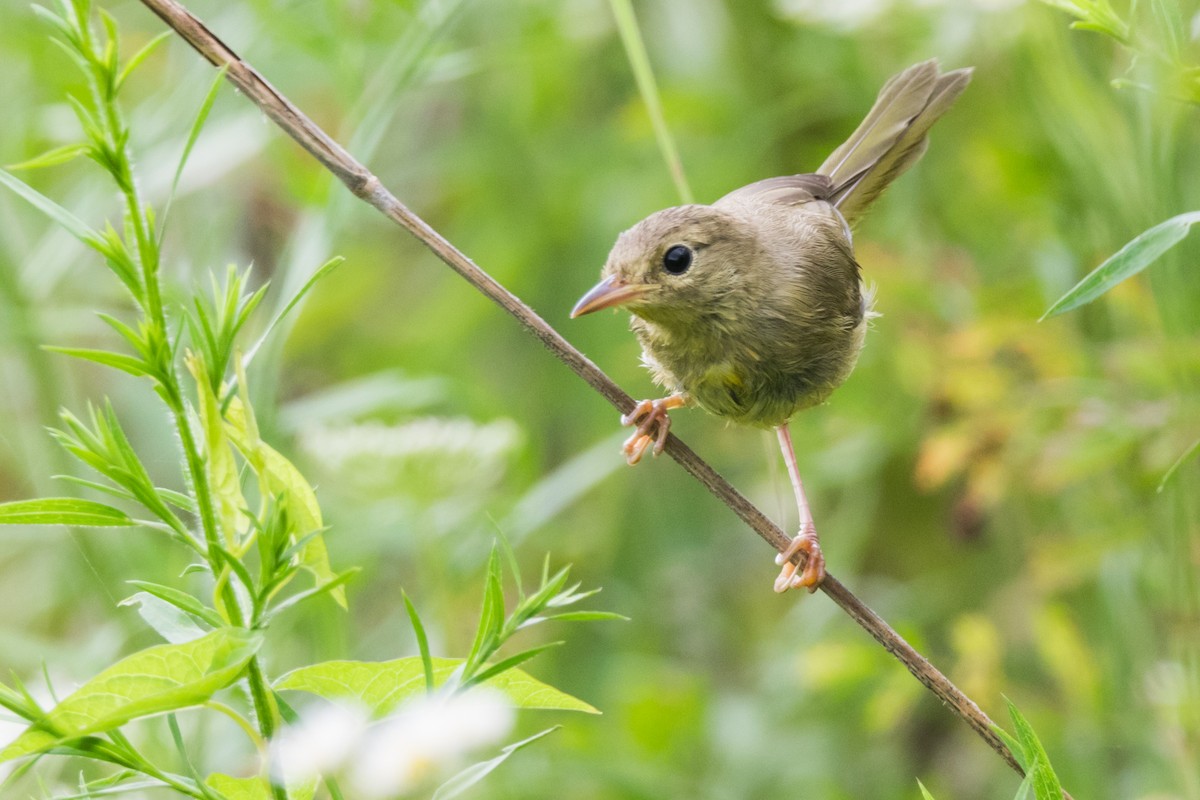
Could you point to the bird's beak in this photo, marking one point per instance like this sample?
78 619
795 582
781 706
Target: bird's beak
612 291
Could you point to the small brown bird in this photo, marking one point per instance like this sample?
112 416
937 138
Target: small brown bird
753 307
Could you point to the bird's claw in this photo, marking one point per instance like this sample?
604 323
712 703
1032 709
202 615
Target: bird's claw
653 423
814 564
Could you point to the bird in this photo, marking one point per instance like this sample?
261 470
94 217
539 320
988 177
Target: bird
754 308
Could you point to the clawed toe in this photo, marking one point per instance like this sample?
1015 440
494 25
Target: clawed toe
653 422
814 565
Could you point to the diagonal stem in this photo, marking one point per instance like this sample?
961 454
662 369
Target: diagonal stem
366 186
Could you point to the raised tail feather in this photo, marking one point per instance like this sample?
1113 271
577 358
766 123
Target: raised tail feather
892 137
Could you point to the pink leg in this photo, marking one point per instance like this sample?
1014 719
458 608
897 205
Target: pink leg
806 541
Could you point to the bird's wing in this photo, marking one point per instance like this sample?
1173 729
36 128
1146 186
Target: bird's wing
788 190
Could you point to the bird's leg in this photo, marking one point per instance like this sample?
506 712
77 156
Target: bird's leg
653 425
806 540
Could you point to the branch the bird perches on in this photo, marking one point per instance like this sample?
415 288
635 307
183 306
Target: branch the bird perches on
367 187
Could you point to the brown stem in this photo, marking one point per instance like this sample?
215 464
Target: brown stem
365 185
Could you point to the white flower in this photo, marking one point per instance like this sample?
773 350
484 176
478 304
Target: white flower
425 738
319 744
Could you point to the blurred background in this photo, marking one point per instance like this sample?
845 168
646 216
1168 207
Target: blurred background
987 482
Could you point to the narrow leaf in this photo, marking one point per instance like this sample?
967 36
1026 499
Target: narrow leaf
1179 462
125 363
1131 259
154 681
183 601
510 662
477 772
321 271
422 640
165 619
1045 782
50 158
193 134
139 57
74 225
925 795
63 511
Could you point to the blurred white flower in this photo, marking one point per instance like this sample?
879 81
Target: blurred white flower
319 744
430 455
425 738
847 14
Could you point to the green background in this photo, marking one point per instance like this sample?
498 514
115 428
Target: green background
985 481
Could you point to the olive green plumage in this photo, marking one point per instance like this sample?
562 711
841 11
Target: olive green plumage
769 313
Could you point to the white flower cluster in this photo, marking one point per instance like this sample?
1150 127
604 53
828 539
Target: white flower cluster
418 744
436 454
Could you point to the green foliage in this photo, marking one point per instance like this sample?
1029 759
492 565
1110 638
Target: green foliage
1131 259
986 483
157 680
248 516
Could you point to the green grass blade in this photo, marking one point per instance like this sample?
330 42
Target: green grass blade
422 640
639 62
201 117
1131 259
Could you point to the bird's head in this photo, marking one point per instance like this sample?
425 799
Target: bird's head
676 265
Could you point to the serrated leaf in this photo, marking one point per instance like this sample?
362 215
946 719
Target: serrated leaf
477 772
154 681
380 686
1131 259
63 511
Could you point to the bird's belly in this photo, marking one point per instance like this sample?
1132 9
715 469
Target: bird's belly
752 386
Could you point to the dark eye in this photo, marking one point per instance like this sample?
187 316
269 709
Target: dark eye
677 259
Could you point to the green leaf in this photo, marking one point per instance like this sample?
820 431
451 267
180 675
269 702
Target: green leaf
63 511
422 640
257 788
193 134
512 661
278 476
1014 746
477 772
380 686
74 225
125 363
1179 462
321 271
1131 259
167 620
1045 783
50 158
183 601
219 462
139 57
154 681
925 795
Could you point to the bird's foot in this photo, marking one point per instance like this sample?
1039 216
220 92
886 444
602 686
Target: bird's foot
810 577
653 424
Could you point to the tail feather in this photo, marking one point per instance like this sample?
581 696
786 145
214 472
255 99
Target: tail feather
892 137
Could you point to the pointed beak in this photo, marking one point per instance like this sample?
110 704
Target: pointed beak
612 291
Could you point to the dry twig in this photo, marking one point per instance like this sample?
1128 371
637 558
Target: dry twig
366 186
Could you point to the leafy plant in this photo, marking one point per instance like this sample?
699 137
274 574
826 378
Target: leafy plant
249 517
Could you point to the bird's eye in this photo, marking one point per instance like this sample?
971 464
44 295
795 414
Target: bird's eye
677 259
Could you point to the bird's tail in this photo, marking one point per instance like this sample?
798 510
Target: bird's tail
892 137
